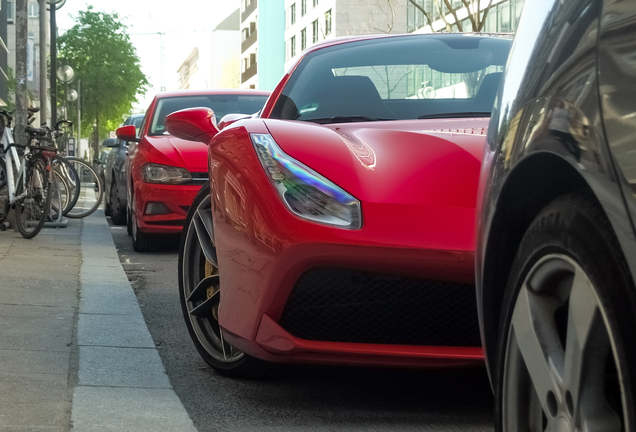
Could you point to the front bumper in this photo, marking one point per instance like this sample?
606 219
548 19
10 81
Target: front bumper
177 199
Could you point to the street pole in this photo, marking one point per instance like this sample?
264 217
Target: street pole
21 36
53 67
79 113
42 61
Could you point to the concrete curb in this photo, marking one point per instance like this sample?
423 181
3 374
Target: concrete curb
122 384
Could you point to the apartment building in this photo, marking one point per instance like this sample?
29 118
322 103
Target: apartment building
208 65
310 21
262 43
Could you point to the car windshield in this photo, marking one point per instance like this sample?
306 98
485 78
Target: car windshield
406 77
220 104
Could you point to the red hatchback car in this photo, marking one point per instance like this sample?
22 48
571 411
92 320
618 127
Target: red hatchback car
339 224
165 172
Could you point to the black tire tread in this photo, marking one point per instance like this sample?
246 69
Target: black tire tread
576 224
247 367
117 211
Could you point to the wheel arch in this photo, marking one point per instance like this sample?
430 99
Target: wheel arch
533 183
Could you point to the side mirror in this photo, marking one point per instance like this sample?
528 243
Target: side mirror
97 162
228 119
127 133
193 124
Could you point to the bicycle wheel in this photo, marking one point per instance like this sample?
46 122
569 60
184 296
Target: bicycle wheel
60 197
91 190
68 175
4 191
31 210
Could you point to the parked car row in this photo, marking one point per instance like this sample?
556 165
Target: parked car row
340 219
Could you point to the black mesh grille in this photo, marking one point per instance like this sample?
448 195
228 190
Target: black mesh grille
340 305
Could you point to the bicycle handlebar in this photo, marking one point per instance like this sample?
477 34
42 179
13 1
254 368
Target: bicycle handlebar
61 122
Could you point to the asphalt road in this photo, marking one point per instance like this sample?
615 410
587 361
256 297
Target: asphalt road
306 398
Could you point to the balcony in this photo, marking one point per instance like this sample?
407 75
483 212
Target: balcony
249 41
249 73
249 9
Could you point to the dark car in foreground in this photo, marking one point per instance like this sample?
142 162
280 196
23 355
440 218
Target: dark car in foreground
115 175
556 251
338 225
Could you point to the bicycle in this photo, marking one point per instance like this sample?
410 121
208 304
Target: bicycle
25 181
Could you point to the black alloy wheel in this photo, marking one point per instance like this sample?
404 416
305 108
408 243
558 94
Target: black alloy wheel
567 342
199 291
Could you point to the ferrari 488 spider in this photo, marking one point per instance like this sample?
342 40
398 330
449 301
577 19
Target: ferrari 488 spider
338 226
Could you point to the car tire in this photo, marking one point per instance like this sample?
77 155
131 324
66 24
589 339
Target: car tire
566 350
129 228
199 291
117 211
141 241
107 210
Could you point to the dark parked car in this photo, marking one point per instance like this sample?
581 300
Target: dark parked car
556 251
101 160
115 176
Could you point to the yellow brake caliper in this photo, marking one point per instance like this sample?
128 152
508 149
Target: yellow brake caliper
210 269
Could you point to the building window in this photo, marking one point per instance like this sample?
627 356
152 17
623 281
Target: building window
34 10
303 7
503 11
244 65
10 10
328 22
292 47
292 14
303 39
314 30
246 34
315 3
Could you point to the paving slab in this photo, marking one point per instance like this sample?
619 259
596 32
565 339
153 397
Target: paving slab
109 299
112 330
105 409
122 367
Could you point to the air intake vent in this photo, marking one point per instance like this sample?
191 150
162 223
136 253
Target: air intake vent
340 305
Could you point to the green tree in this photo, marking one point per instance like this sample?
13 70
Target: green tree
99 49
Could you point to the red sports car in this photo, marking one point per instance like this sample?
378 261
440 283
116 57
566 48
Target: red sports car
339 224
165 172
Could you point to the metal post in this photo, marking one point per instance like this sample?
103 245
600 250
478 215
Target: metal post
21 35
79 112
53 67
43 116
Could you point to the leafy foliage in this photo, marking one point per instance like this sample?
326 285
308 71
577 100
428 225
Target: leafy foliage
99 49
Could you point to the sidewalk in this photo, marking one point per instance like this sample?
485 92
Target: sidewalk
75 352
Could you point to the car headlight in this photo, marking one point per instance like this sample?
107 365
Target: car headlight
164 174
305 192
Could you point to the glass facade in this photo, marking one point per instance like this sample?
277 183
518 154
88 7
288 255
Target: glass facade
502 17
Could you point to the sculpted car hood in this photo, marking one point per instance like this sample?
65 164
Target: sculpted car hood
423 162
169 150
